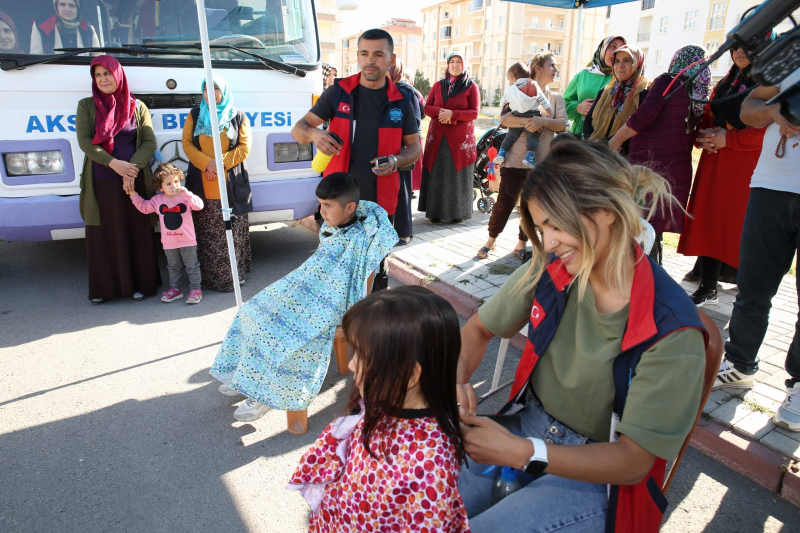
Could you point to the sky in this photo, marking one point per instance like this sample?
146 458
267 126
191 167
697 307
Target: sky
372 13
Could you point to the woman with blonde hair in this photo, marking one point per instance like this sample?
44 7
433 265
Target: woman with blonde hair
608 329
618 100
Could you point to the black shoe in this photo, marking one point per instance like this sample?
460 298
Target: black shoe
435 220
402 241
242 281
98 301
457 221
704 295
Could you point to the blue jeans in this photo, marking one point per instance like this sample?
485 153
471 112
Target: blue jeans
544 504
770 240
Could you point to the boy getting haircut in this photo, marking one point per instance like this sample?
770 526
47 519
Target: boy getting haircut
339 186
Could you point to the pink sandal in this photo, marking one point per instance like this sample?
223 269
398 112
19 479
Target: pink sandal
171 295
195 295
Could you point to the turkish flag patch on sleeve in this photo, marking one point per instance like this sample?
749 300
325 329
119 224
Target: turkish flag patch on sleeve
344 108
537 313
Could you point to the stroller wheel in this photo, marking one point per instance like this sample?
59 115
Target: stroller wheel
485 204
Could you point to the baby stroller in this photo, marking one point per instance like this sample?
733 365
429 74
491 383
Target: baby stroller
492 138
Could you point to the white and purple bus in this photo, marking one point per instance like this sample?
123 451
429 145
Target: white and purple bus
264 48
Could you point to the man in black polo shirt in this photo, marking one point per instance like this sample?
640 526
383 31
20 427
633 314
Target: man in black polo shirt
368 112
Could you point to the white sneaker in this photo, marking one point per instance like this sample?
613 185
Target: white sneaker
226 389
729 377
250 411
788 415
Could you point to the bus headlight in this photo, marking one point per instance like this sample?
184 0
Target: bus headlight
293 152
34 163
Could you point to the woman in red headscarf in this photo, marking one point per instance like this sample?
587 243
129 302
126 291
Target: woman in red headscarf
116 135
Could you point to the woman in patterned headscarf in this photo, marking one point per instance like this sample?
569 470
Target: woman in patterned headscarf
662 131
619 99
329 73
721 186
66 29
449 160
198 143
581 91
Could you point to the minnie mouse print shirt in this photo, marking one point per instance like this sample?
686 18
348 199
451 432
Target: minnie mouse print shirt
175 215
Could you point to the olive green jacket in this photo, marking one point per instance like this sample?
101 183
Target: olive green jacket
145 147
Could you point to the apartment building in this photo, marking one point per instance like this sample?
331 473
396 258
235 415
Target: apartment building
330 31
493 35
664 26
407 38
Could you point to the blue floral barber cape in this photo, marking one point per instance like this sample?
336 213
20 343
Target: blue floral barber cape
278 348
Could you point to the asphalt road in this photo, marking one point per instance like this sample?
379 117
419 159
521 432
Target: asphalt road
109 420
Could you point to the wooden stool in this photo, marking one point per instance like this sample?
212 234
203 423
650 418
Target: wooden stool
297 421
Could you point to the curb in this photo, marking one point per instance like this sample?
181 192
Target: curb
750 458
464 304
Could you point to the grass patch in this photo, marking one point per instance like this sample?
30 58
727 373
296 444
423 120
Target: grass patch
501 270
464 281
430 278
756 407
480 276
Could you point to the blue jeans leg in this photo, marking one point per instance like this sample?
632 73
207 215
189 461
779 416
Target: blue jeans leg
545 504
769 242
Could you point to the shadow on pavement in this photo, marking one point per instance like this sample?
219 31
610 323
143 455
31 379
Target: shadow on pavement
163 464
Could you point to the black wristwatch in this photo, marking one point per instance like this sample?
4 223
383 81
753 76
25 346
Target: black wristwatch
538 461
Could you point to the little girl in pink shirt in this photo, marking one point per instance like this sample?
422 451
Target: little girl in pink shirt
174 206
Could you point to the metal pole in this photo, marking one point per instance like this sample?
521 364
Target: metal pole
212 113
579 33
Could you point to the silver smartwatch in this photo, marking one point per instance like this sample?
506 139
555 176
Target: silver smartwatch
538 461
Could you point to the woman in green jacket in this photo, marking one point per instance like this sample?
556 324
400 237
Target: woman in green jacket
581 91
116 135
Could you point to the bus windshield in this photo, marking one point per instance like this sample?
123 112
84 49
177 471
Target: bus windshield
283 30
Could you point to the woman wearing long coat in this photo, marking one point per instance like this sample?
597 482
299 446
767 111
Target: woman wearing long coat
450 151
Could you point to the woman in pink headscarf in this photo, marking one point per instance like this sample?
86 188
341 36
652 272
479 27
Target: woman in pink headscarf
116 135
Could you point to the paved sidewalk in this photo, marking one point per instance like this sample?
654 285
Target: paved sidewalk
734 421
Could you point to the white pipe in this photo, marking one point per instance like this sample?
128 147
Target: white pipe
579 33
100 27
212 113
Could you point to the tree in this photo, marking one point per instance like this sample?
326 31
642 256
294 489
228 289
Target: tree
497 96
481 90
421 83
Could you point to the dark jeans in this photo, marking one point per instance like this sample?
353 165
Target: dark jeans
511 183
402 215
770 240
531 139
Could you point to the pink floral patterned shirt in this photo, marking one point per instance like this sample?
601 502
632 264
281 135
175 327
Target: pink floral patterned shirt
411 487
